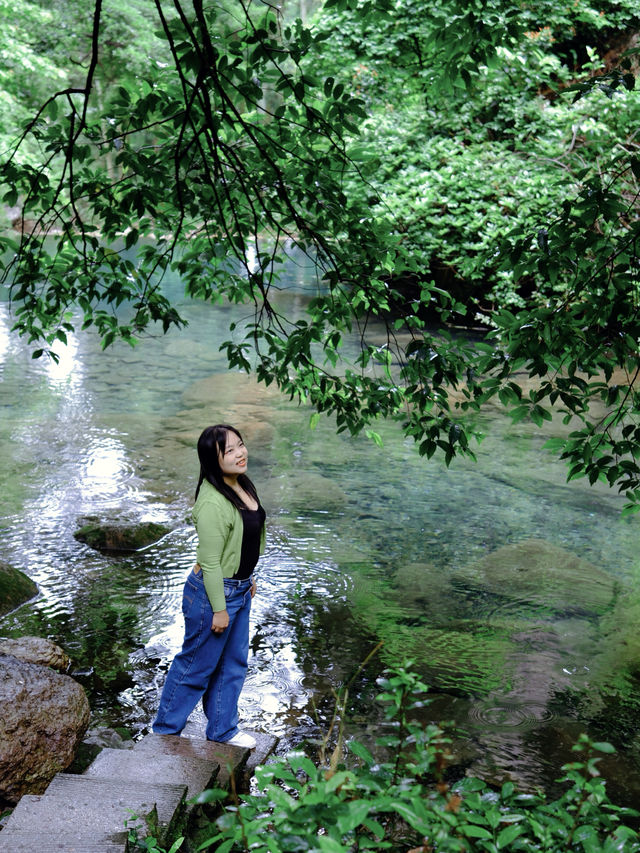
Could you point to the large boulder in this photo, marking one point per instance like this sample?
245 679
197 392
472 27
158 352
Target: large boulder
44 716
15 588
120 537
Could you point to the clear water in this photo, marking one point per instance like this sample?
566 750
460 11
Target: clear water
514 593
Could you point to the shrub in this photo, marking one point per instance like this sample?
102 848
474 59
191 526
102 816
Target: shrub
404 803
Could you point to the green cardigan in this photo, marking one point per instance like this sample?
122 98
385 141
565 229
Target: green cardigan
219 526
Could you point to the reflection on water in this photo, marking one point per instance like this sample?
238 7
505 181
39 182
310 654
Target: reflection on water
514 593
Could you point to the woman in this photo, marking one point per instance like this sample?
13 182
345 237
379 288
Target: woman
217 595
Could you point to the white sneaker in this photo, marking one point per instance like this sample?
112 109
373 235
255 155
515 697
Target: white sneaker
243 739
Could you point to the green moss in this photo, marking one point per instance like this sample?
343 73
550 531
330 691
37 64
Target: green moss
109 536
15 588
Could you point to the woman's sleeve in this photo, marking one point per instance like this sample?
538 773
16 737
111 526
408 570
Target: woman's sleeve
213 532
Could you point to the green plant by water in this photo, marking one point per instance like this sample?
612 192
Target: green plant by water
404 802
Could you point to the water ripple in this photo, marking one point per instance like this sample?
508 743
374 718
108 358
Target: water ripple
498 715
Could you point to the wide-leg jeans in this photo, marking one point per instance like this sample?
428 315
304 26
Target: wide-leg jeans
211 666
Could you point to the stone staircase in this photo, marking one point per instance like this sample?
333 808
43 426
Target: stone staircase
148 787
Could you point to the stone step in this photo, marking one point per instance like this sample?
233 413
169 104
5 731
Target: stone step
45 841
230 759
265 745
74 806
34 842
195 772
87 814
233 760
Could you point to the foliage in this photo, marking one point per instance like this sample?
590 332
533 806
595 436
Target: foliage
405 802
252 141
419 47
459 168
45 46
128 39
581 345
22 69
150 842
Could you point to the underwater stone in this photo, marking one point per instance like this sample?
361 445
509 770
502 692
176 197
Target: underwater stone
536 571
231 389
120 537
308 491
15 588
422 588
617 660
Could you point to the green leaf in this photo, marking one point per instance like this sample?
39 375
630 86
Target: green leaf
131 238
211 795
554 444
576 471
329 845
356 813
508 835
374 436
409 814
603 746
10 198
473 831
361 752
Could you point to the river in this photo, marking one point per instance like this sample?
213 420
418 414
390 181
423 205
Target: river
514 593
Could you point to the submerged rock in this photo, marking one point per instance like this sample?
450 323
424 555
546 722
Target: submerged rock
44 716
535 571
108 738
618 650
120 537
308 491
36 650
15 588
423 588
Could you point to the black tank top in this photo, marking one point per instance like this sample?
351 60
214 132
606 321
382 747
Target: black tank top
252 523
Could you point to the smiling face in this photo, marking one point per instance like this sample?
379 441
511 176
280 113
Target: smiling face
234 459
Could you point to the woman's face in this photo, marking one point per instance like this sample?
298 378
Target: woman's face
234 459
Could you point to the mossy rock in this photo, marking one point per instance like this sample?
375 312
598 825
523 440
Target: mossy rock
535 571
115 537
618 655
15 588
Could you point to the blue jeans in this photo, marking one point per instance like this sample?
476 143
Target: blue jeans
212 666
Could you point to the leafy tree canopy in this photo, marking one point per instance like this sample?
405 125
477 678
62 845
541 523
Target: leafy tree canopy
252 136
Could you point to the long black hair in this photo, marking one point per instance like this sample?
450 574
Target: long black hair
213 441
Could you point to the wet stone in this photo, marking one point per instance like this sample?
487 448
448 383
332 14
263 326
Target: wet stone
233 760
36 650
25 841
196 773
44 716
120 537
103 806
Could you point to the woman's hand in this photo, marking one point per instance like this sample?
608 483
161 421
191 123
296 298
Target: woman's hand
253 588
220 621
